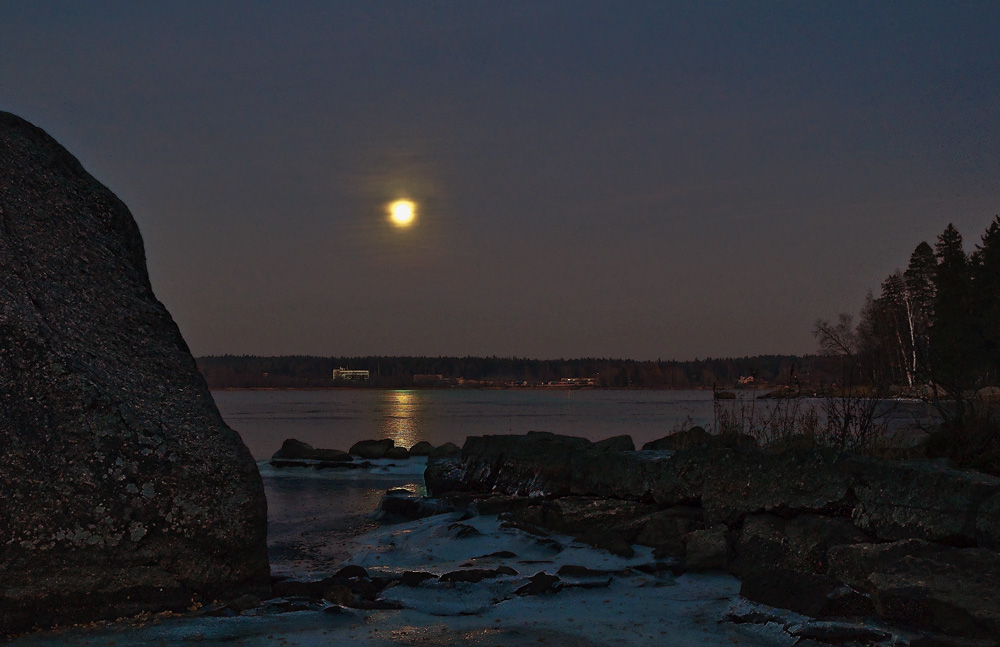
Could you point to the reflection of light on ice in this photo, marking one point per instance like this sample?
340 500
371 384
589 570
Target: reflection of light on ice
400 417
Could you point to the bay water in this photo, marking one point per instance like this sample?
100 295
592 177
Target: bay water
336 419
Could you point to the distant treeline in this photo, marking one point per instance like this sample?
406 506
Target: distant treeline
302 371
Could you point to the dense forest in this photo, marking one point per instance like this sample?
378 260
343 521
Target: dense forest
449 372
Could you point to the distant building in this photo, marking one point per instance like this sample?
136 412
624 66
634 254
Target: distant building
349 375
577 381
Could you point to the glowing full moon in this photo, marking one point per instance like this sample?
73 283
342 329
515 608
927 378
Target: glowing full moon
402 213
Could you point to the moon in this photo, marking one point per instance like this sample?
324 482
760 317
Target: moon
402 213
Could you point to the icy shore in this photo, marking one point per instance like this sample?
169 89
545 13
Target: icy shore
602 600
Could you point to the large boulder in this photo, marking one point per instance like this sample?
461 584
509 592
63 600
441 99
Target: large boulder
926 586
121 488
737 483
372 449
923 500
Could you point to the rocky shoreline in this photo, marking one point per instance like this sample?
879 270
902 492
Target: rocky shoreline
828 535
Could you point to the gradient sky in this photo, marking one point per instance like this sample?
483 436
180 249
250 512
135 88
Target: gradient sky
610 179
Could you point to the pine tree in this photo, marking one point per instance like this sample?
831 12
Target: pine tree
954 337
986 298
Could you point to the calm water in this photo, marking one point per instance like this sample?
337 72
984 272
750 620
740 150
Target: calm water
338 418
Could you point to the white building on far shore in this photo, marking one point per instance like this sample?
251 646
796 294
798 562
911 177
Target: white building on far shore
349 375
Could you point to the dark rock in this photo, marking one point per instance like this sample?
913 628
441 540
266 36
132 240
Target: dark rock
123 489
339 594
855 563
723 395
351 571
378 605
446 475
371 449
500 554
397 453
609 540
765 541
696 437
811 536
414 578
693 437
615 444
922 500
572 570
737 483
550 465
498 504
926 586
293 449
707 550
810 594
463 531
539 583
423 448
475 575
445 450
937 640
988 524
665 530
928 595
588 584
761 544
396 509
838 633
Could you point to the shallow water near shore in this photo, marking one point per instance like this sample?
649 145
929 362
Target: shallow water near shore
322 520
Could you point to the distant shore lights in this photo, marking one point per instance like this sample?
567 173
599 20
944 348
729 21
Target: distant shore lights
402 213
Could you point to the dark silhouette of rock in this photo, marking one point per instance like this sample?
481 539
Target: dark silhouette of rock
477 574
371 449
423 448
293 449
397 453
694 437
445 450
539 583
615 444
121 488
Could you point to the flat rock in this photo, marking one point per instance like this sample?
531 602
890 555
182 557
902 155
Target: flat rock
293 449
923 500
927 586
737 483
123 489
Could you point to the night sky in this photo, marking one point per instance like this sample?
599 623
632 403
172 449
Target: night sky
616 179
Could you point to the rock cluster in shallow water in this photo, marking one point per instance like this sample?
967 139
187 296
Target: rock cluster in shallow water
295 453
121 488
825 534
